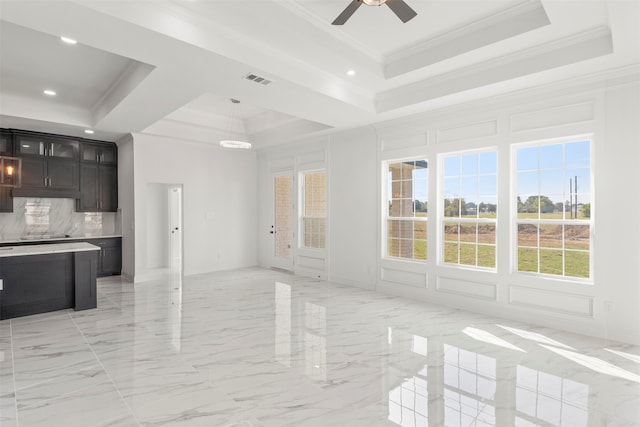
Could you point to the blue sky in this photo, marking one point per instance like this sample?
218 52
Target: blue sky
547 170
541 169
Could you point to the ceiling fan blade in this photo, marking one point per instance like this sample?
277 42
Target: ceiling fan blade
401 9
347 12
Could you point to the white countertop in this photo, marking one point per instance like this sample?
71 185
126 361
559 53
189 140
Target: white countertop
53 248
6 240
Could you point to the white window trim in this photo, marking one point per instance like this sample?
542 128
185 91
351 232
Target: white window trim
514 221
385 210
441 218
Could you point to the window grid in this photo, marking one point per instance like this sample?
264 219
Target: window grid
406 221
314 209
553 226
470 209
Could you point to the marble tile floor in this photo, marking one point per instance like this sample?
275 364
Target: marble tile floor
256 347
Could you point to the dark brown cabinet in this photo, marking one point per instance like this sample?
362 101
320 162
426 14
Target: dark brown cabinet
6 149
98 178
98 153
110 257
49 166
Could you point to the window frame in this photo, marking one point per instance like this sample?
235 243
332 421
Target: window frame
302 211
442 219
386 217
515 221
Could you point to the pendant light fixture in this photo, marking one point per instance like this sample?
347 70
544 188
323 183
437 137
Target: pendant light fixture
10 171
233 143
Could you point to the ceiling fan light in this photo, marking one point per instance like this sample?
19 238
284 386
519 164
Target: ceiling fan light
374 2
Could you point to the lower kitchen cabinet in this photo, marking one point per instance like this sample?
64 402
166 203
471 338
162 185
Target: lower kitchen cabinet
36 284
110 256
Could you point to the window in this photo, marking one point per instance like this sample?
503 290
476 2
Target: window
314 215
554 208
406 218
470 209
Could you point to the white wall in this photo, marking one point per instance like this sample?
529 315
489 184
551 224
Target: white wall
157 223
126 204
606 106
219 202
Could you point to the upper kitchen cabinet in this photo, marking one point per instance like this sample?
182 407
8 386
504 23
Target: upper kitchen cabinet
6 149
50 166
98 153
6 143
98 178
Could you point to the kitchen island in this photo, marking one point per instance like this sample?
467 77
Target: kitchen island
41 278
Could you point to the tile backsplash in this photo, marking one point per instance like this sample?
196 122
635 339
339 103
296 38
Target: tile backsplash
34 217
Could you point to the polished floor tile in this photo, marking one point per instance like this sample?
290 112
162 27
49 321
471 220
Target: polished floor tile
256 347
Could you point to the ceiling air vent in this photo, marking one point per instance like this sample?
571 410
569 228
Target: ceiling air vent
257 79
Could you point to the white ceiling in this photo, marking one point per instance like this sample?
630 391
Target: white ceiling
170 67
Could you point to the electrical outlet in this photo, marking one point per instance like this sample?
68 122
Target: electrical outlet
609 306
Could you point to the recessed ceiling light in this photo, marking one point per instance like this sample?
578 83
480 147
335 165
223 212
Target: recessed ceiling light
89 131
351 73
49 92
68 40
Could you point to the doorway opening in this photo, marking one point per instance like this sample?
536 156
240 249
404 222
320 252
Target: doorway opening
164 230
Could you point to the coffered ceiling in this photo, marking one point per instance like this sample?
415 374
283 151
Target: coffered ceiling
170 67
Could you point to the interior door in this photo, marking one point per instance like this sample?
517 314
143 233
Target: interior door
175 226
282 224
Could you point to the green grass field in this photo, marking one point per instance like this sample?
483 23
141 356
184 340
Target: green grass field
563 250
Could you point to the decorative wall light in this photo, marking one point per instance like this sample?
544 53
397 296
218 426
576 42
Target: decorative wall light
10 171
232 143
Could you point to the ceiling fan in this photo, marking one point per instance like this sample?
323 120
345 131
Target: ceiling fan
399 7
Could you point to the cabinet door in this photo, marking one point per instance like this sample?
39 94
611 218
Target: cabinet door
108 154
30 145
34 172
6 147
6 201
89 178
111 260
108 188
63 149
63 174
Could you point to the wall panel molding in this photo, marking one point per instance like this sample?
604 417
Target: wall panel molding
486 291
552 117
559 302
404 277
468 131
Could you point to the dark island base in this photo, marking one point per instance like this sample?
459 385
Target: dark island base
36 284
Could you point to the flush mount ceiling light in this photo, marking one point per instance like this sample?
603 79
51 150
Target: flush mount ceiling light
232 143
399 7
89 131
228 143
351 73
49 92
68 40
